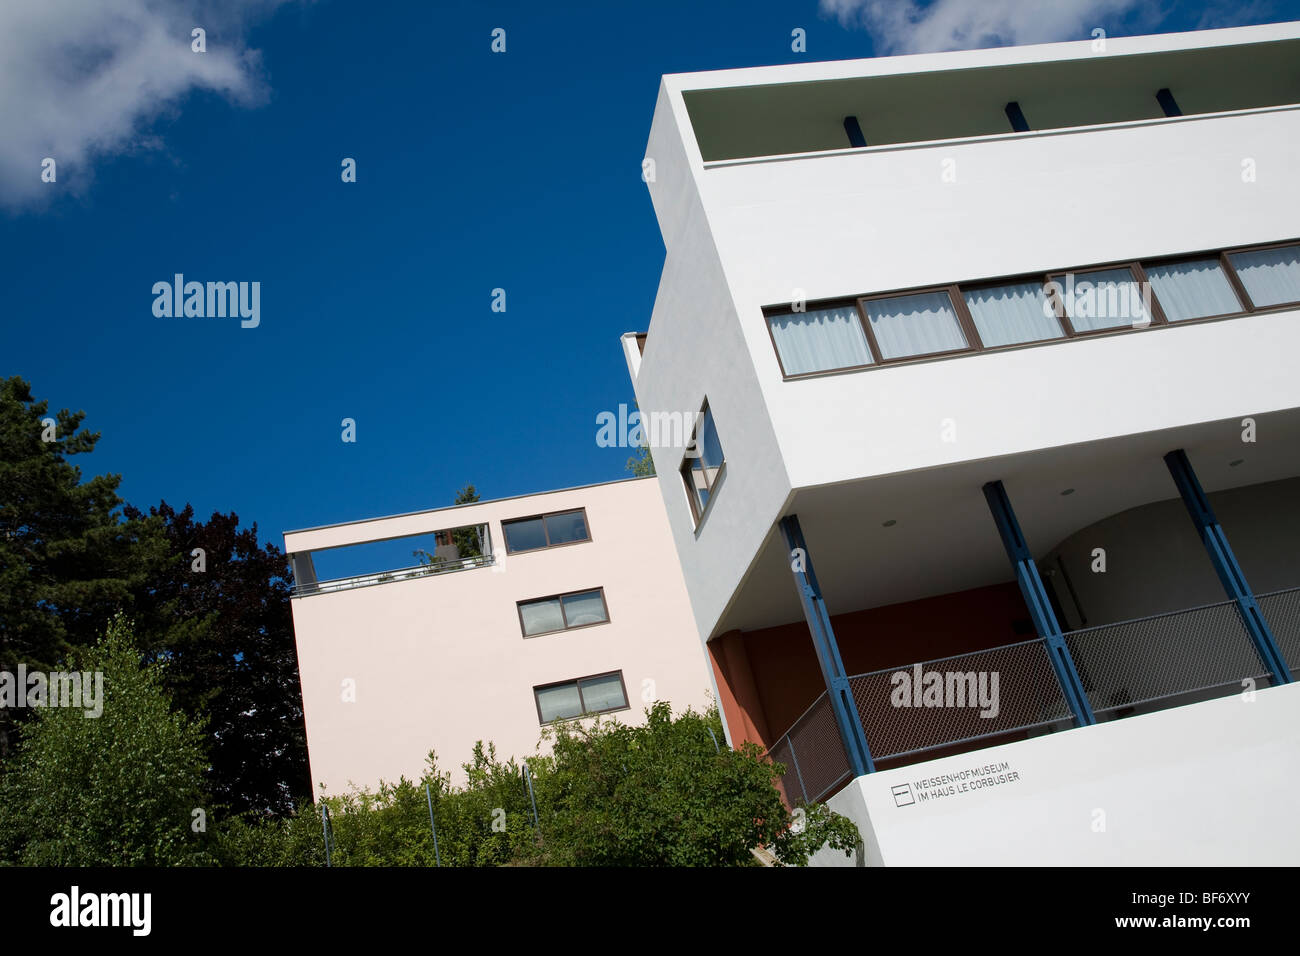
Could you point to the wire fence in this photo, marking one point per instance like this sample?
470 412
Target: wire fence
1281 609
1010 692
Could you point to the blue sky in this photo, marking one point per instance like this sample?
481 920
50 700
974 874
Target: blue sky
475 171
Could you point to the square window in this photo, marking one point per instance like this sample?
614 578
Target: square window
559 702
1013 313
541 617
1271 276
819 340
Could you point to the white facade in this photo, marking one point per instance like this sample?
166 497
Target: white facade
764 204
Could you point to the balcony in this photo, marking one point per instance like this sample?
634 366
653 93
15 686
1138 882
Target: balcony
454 549
1129 668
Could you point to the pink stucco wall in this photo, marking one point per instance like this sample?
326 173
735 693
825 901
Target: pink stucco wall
440 661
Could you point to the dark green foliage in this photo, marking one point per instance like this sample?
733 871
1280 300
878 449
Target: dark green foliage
67 562
227 632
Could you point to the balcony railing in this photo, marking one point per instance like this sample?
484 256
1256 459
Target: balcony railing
1137 666
384 577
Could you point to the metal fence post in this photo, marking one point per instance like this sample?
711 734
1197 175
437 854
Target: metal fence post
436 855
828 652
325 827
1040 608
1225 564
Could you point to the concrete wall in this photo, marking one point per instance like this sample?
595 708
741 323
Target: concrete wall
1209 784
440 661
1155 561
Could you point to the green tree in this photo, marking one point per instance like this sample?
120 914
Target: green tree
661 794
119 789
67 562
467 541
642 464
226 629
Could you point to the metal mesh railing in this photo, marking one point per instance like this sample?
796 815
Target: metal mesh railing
989 693
1281 609
1201 652
812 753
384 577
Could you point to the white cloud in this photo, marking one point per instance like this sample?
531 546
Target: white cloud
905 26
81 79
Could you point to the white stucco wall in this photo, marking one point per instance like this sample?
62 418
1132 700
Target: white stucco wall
742 235
1210 784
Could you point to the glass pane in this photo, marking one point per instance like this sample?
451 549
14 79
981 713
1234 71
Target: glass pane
695 478
915 324
559 702
710 447
1007 314
567 527
1107 299
585 608
524 535
603 693
1193 290
541 616
820 339
1271 276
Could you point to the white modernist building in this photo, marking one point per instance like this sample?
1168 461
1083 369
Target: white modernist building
991 529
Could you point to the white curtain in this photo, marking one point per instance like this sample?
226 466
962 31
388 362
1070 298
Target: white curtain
557 703
1007 314
915 324
603 693
1271 276
541 616
1193 290
585 608
819 340
1108 299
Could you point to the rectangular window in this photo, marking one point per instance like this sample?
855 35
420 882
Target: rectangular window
1103 299
819 340
702 466
923 323
546 531
1012 314
1195 289
563 612
1271 276
600 694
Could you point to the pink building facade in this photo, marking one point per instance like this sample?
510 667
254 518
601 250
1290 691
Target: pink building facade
528 610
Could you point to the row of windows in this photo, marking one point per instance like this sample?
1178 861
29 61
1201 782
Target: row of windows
599 694
892 327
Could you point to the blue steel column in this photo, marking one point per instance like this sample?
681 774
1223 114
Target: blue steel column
828 651
1225 564
1040 608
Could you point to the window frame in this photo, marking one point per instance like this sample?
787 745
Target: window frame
1140 279
1234 283
519 610
685 469
1240 286
958 304
955 290
542 517
577 682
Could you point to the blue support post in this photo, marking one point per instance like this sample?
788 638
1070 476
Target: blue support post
1040 608
828 651
1225 564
